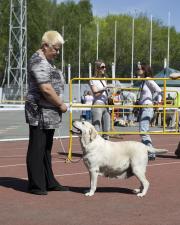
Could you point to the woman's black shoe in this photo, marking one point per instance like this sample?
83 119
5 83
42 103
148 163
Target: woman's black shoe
58 188
37 192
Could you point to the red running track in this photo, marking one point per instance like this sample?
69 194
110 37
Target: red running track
112 204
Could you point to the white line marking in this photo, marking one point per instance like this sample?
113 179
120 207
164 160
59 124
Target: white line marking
162 164
83 173
70 174
60 161
53 154
58 175
26 139
23 164
58 153
14 165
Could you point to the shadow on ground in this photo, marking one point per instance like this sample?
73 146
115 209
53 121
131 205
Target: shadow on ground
167 156
83 190
14 183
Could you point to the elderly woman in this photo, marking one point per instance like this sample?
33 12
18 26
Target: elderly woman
100 116
43 110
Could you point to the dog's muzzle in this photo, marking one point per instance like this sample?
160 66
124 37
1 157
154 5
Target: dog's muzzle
76 131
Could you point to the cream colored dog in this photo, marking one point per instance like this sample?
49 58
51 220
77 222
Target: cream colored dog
113 159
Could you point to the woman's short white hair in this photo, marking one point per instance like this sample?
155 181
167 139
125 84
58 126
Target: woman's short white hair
52 37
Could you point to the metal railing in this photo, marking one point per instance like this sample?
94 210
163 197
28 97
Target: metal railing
163 106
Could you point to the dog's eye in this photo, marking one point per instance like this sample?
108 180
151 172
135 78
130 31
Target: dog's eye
83 123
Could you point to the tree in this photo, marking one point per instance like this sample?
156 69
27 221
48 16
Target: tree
43 15
39 20
4 32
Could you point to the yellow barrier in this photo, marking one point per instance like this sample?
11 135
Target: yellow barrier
12 101
72 105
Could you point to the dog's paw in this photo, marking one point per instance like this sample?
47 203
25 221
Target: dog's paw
89 193
136 191
140 195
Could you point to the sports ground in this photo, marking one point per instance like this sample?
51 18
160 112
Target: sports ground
113 203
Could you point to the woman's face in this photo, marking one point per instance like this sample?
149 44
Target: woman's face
140 72
51 51
101 70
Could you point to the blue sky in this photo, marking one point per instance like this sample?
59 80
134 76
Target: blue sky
157 8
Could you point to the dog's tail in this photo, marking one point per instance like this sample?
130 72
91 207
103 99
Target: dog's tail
157 150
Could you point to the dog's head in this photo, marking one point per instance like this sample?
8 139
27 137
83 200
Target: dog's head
86 130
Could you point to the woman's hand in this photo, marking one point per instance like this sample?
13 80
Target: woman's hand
63 108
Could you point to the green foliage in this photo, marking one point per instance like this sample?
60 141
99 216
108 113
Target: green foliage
4 29
43 15
39 20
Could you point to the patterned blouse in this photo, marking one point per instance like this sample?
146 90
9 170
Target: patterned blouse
38 111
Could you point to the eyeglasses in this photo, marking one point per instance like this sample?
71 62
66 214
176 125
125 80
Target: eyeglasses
56 49
103 67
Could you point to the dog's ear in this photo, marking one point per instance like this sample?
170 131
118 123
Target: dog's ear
93 133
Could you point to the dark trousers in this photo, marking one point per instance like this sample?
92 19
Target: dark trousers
88 114
38 159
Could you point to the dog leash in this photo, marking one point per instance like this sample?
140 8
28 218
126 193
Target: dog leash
67 159
74 161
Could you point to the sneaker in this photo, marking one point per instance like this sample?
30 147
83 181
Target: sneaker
177 151
106 137
151 156
174 75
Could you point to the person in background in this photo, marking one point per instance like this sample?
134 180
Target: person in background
83 113
176 76
88 101
117 101
176 114
169 99
148 87
128 98
43 112
170 114
83 97
100 116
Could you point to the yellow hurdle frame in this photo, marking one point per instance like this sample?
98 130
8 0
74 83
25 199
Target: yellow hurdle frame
75 105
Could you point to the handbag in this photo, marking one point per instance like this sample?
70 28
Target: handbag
110 101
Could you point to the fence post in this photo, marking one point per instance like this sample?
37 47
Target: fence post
90 70
69 73
113 73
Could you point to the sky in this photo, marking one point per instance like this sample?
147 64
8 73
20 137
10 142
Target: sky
159 9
